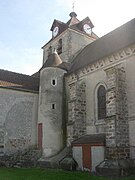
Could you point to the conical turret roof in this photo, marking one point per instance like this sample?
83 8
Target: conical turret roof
53 60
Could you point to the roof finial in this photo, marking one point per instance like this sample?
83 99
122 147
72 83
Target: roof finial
73 14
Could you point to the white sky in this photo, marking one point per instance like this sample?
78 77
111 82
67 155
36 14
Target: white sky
25 26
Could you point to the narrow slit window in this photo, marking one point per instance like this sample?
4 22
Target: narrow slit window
53 106
54 82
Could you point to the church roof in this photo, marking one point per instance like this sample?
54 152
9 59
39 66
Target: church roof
90 139
106 45
14 80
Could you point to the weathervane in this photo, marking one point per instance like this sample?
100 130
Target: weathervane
73 7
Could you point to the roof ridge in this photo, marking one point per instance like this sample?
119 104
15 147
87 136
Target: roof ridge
17 73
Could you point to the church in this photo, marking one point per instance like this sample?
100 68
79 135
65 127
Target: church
83 97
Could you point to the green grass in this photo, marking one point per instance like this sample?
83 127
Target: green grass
42 174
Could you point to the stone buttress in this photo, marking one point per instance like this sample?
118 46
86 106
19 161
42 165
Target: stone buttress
76 125
117 128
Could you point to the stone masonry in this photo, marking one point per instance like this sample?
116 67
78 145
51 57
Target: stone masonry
117 130
76 126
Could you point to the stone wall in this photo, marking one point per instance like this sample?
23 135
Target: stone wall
18 118
76 126
117 128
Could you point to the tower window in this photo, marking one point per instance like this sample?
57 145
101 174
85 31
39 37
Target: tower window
59 50
54 82
53 106
101 97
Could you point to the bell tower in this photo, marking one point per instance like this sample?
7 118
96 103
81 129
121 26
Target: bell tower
69 38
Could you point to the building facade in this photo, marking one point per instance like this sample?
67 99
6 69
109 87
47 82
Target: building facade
83 91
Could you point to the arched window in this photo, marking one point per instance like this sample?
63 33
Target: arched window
101 98
59 50
49 51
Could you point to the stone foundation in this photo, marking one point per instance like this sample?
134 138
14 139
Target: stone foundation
25 158
115 168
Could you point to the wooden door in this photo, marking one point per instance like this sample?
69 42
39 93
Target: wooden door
86 152
40 135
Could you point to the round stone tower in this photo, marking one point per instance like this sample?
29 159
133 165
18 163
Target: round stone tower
50 122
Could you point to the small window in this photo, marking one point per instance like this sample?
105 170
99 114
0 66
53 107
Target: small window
101 97
54 82
59 50
53 106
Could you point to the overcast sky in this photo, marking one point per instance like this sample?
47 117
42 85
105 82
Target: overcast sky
25 26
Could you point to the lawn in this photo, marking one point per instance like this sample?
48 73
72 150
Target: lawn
42 174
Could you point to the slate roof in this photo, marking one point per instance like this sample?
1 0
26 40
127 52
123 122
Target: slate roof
54 60
18 81
56 22
91 139
106 45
